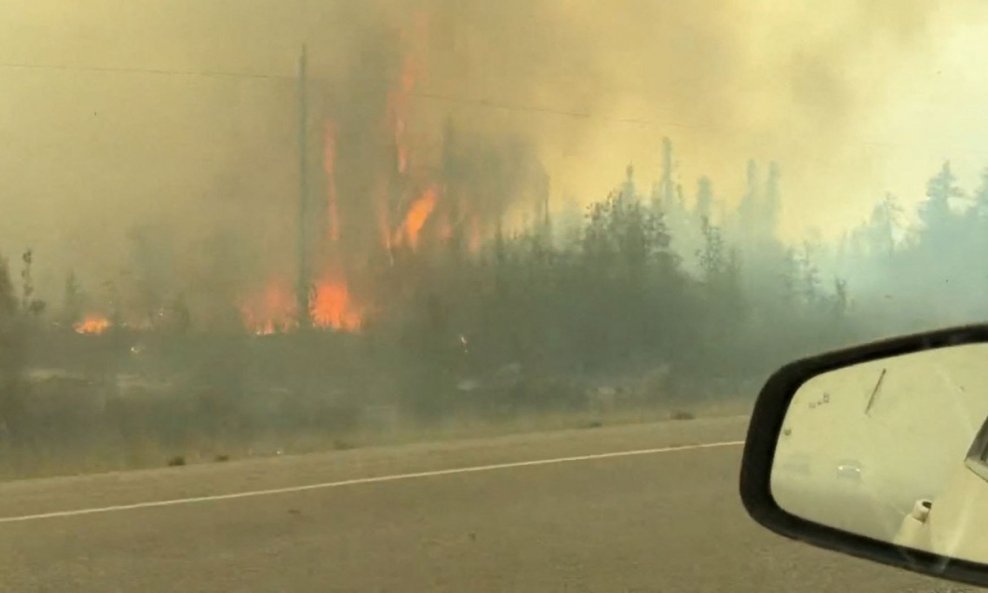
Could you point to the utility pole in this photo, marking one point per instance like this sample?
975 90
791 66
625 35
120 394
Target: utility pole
302 290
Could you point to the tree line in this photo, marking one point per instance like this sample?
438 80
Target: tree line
654 282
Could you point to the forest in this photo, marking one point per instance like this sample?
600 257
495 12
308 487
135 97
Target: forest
658 299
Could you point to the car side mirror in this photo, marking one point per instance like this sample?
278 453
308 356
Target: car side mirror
879 451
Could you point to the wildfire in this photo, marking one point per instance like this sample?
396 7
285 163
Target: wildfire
402 149
92 325
265 329
381 215
399 100
271 311
399 106
416 218
331 303
475 241
333 307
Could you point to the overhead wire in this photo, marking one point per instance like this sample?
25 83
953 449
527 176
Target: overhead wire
418 94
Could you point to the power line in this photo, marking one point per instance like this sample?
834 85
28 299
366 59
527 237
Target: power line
153 71
427 95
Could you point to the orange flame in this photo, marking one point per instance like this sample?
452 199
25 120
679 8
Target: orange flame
92 325
381 214
402 149
329 166
273 310
270 311
475 241
398 107
332 307
266 329
416 218
400 98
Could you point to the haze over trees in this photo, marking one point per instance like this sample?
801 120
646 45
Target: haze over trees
662 298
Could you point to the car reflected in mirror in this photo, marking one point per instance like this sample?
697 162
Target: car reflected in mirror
910 420
880 451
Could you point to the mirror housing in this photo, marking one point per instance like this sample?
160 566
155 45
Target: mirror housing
767 427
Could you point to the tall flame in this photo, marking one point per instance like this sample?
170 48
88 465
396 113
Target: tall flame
416 218
400 98
331 303
402 149
92 325
398 110
270 311
381 213
332 307
273 310
398 103
475 240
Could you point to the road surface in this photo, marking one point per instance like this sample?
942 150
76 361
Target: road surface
666 518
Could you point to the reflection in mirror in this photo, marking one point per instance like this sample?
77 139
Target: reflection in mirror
894 449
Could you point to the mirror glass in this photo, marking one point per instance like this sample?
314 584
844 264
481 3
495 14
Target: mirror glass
894 449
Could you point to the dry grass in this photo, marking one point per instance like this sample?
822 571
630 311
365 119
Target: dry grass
145 452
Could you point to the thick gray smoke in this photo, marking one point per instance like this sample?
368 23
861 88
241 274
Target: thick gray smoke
106 131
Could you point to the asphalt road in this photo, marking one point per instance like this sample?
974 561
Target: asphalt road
657 521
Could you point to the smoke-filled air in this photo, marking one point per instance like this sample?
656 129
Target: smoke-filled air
242 228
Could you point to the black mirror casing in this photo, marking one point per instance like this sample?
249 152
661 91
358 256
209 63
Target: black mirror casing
759 451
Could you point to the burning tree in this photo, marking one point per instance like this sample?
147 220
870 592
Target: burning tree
388 207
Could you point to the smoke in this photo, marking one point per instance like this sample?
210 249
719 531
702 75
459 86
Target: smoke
499 102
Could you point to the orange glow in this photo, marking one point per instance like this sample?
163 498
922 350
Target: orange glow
381 214
92 325
408 76
400 146
445 231
265 329
416 218
270 311
329 166
475 241
399 103
402 99
332 307
399 100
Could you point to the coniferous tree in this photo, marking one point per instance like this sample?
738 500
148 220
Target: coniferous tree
704 199
938 219
72 301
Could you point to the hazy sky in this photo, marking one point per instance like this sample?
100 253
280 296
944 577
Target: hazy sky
851 98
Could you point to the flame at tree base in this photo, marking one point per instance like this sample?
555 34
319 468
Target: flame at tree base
418 214
271 311
92 325
332 307
274 311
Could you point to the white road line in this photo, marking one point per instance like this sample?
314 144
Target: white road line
358 481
